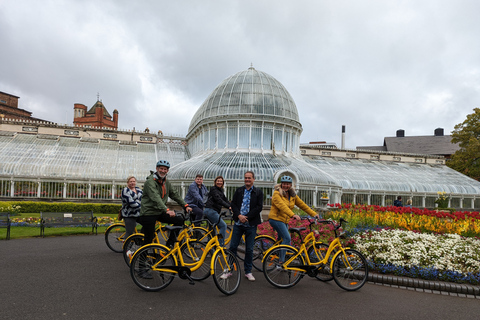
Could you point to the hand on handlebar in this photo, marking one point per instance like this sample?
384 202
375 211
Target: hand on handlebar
171 213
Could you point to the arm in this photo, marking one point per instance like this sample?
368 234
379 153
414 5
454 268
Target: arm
151 191
299 203
219 198
174 195
278 202
256 204
195 195
237 203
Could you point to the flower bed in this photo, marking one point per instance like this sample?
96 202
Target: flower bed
447 257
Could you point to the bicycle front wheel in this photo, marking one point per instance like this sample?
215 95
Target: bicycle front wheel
114 236
226 272
261 245
192 252
132 244
350 270
276 272
146 273
316 253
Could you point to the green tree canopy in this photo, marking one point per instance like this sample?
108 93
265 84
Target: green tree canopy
467 134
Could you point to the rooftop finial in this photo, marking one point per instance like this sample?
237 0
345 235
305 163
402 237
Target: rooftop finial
251 66
98 96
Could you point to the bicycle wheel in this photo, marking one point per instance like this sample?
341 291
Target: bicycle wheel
274 271
200 234
192 252
317 253
226 272
162 234
350 270
132 244
114 237
144 271
262 244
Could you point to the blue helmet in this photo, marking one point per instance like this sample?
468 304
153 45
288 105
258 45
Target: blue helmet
286 179
163 163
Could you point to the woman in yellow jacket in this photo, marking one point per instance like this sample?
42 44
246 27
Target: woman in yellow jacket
283 200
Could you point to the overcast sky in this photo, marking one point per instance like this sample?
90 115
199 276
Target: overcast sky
374 66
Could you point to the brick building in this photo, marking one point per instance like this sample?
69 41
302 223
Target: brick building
97 116
9 108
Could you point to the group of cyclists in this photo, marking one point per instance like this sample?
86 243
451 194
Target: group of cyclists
149 205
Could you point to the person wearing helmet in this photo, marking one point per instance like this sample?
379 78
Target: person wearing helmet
156 191
283 200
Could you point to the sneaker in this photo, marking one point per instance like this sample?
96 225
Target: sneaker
250 277
226 275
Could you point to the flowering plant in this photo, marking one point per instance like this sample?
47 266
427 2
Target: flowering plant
442 200
324 195
12 209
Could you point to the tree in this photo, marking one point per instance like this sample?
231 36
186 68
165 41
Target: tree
467 134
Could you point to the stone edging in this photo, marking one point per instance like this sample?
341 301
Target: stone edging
433 286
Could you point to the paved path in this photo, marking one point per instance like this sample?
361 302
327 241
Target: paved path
78 277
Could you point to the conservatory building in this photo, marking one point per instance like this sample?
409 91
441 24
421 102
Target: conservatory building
248 122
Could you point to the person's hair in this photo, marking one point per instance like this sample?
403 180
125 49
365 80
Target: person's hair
253 174
130 177
399 198
198 176
218 178
409 201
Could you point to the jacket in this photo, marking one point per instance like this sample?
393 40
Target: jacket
131 202
216 199
193 197
256 205
281 209
155 196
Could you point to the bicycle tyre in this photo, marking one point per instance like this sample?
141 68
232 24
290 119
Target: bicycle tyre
317 253
273 269
192 252
260 246
346 278
143 273
221 266
114 237
199 234
132 243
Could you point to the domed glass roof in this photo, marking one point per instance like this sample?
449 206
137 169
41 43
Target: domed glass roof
245 95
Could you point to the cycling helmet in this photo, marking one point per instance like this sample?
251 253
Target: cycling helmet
286 179
163 163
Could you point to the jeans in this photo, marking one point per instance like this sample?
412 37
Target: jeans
282 230
250 233
196 214
212 216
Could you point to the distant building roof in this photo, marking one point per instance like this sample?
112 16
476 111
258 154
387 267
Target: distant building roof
438 144
99 104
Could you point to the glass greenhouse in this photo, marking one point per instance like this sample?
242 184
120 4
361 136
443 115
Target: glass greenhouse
248 122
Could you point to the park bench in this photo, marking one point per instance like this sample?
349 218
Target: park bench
5 222
50 219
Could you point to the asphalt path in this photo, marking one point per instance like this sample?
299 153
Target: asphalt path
78 277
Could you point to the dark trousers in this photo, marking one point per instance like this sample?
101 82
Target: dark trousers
196 214
148 224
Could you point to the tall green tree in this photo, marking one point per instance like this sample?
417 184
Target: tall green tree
467 134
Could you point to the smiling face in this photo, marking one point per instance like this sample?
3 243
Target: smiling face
162 171
248 180
286 185
219 183
199 181
132 182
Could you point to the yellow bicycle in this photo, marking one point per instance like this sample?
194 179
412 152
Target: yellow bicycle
154 266
284 266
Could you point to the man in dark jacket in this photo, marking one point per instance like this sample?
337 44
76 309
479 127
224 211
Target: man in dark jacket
247 205
156 191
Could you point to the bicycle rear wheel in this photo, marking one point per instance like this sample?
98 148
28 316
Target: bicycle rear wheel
274 270
261 245
200 234
144 271
316 253
132 244
226 272
114 236
350 270
192 252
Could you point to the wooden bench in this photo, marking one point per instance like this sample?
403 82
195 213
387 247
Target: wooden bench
50 219
5 222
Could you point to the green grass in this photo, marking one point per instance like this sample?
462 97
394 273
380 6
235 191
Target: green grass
34 232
